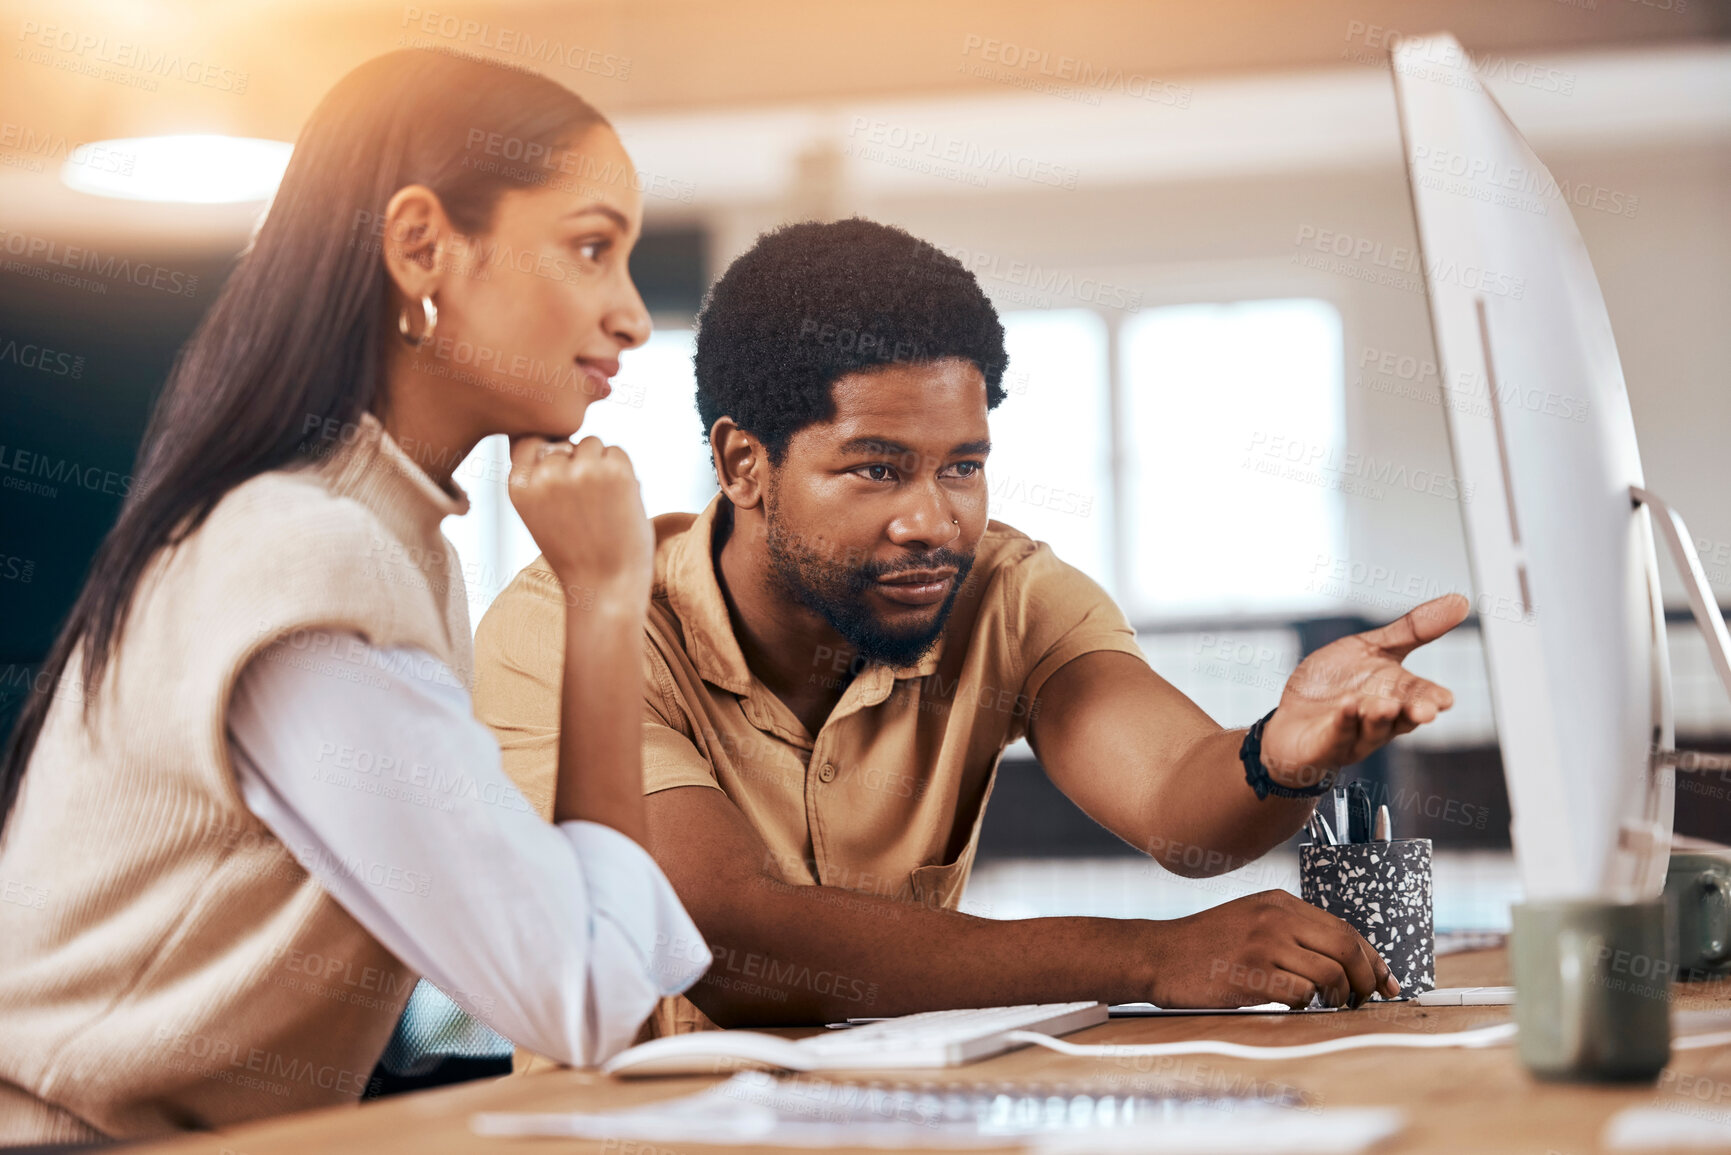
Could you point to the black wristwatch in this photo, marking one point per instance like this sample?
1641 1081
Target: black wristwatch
1255 773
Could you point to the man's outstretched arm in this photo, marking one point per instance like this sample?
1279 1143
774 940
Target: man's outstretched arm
787 954
1145 762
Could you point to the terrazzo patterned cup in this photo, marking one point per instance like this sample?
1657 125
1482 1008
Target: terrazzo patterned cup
1384 890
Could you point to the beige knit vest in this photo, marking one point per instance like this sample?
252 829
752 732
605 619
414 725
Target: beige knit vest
165 963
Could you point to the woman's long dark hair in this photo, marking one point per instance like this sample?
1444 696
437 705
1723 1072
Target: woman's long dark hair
294 335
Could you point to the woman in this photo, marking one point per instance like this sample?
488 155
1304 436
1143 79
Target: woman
254 797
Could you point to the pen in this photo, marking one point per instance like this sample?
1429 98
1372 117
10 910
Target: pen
1358 812
1339 813
1328 831
1384 830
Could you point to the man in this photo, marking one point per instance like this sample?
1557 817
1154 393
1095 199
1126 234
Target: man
841 645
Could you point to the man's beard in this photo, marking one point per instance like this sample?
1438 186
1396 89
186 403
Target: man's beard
836 592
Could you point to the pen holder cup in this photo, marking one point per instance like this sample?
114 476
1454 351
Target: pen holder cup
1383 889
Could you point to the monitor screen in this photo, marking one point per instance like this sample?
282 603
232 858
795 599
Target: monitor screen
1539 425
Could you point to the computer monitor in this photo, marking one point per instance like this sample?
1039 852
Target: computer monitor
1540 430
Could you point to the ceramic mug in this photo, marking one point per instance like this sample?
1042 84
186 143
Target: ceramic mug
1592 989
1698 901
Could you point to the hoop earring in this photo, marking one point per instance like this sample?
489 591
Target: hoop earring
430 311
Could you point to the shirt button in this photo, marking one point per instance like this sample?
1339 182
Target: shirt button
826 773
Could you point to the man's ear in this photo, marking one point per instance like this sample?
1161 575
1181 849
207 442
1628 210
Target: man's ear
741 464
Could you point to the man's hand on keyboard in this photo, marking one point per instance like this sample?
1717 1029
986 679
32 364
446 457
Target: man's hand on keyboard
1268 947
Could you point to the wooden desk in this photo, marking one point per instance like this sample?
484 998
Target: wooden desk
1455 1100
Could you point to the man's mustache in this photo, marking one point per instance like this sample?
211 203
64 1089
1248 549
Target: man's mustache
944 558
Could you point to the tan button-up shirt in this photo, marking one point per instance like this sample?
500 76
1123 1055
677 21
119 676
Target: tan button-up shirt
887 796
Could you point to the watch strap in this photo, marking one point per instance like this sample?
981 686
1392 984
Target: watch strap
1256 774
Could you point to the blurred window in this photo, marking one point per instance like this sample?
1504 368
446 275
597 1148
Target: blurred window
1050 472
1230 484
651 413
1234 431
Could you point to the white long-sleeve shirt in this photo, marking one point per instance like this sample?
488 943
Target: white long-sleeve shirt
371 767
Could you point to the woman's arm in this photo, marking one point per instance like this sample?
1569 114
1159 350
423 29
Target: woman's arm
371 769
582 505
600 757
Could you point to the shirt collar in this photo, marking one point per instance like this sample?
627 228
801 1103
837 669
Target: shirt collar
694 593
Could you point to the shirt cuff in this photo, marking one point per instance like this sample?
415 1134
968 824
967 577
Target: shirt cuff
628 889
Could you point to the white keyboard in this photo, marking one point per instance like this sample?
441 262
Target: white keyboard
929 1039
947 1038
1467 997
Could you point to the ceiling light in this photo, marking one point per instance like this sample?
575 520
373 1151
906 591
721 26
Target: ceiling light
191 168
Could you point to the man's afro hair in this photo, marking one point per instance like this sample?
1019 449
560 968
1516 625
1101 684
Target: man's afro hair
813 302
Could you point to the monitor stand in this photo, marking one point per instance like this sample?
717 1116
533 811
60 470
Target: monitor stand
1704 606
1644 839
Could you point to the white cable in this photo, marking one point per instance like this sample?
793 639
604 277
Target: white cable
1482 1037
1696 1042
